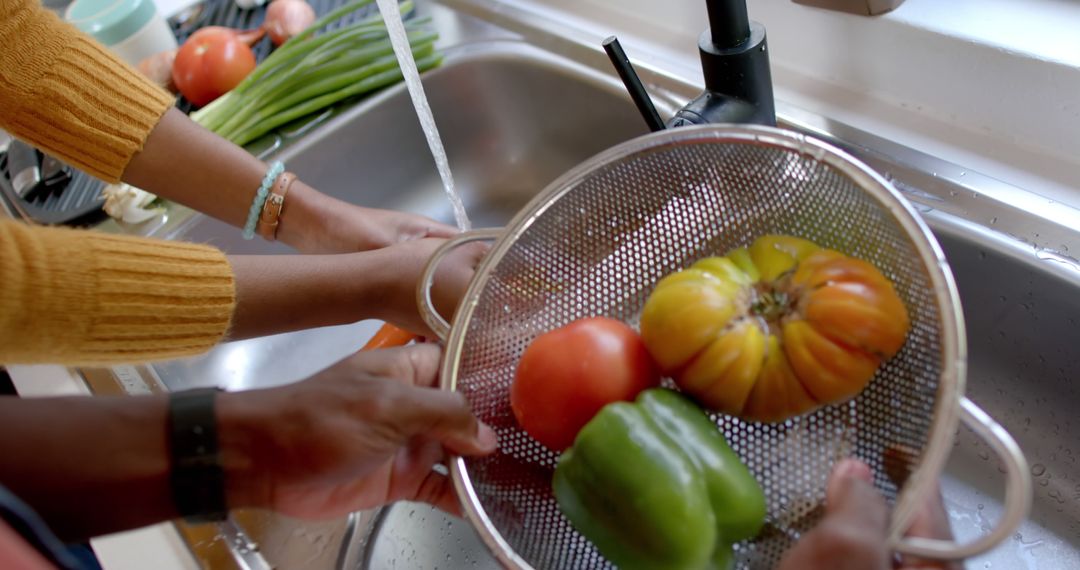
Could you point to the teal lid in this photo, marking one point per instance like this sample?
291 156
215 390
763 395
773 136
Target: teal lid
110 21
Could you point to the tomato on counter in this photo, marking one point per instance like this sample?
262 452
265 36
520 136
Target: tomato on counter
774 330
567 375
211 62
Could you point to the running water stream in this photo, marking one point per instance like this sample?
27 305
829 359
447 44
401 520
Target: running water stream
391 14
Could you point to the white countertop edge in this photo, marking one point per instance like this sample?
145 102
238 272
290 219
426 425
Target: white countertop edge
159 547
46 380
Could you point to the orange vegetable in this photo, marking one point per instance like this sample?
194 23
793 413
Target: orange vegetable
389 336
774 330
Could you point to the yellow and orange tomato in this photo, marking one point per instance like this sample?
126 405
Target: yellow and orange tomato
774 330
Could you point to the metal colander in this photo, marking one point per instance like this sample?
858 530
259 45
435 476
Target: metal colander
597 240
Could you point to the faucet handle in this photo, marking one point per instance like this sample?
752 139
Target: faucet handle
632 83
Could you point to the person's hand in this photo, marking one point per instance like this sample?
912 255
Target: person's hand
853 534
362 433
405 264
370 228
313 222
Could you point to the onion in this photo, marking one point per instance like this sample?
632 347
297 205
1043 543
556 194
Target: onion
286 18
158 68
248 37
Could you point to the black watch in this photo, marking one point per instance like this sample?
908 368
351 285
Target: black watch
195 475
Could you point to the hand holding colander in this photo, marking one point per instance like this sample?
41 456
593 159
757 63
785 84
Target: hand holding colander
596 241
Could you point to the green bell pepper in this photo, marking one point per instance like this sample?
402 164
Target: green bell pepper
653 484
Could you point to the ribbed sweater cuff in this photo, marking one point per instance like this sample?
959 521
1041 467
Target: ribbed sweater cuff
86 106
95 298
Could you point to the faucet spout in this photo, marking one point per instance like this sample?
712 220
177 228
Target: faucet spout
728 22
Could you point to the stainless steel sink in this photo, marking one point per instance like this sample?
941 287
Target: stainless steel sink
514 117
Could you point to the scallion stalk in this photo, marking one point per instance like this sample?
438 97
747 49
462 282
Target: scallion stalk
314 70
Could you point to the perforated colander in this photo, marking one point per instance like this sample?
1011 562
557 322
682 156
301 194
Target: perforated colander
597 240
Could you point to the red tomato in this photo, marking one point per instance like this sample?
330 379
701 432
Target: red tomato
210 63
568 374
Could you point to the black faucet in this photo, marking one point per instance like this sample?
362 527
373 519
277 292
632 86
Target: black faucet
735 62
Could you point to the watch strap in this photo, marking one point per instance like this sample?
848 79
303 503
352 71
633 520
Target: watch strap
196 476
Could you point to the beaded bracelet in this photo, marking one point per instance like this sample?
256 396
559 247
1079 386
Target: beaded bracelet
274 171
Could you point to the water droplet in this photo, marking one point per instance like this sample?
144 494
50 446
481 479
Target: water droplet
981 507
1038 469
993 220
984 455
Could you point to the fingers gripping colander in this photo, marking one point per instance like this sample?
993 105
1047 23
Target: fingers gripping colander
597 240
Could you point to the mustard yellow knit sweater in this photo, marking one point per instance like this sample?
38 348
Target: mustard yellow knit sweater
80 297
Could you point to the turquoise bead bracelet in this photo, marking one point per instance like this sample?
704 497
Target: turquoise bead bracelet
274 171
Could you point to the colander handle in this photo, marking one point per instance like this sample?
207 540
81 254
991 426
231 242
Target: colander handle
1018 492
423 289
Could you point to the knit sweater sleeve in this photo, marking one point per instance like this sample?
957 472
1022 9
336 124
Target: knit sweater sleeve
80 297
69 96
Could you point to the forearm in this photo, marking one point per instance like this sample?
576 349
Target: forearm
89 466
183 162
276 294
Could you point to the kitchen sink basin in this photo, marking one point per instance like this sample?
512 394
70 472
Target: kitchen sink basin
513 117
